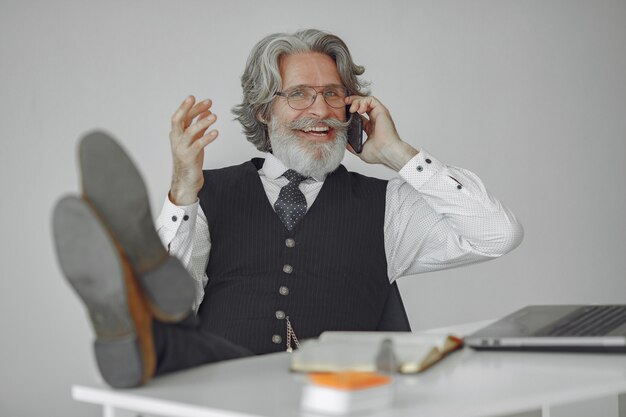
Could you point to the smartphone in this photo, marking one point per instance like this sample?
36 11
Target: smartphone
355 130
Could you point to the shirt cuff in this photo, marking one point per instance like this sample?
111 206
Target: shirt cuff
420 169
175 220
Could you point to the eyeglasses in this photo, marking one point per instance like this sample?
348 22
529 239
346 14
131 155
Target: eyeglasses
302 97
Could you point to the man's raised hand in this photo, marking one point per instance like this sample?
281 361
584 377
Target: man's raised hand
188 140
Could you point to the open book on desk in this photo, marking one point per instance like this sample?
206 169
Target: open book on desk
402 352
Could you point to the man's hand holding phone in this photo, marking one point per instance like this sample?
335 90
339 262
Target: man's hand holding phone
383 144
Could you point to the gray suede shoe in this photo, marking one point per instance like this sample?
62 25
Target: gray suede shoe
115 189
101 277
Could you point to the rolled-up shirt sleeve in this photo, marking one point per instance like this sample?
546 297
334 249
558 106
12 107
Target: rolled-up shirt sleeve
184 233
439 217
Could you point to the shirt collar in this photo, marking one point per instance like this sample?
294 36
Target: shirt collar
274 168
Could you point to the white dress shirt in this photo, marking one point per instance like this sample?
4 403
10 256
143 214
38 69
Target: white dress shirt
436 217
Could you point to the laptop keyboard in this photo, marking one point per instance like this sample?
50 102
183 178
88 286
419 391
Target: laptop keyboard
588 321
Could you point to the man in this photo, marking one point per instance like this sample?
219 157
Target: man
279 249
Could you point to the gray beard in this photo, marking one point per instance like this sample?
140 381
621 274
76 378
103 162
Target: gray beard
312 159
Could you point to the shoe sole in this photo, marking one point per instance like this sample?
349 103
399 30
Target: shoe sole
113 186
96 270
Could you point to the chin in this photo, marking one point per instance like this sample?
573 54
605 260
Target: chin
313 159
318 151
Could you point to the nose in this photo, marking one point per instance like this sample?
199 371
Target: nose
320 108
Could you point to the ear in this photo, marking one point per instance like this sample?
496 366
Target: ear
260 118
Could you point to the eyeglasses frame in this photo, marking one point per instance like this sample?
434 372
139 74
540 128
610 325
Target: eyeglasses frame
285 94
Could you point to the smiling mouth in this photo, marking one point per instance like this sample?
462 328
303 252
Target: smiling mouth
320 131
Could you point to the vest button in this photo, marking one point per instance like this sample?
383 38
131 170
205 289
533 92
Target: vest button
290 243
283 290
276 339
280 314
287 269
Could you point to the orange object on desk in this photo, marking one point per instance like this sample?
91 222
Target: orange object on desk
349 380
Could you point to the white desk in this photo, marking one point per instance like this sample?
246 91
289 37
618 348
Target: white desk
466 384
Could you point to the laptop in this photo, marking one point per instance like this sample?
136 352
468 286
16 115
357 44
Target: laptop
562 328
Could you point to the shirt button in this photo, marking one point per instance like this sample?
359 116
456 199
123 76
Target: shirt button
287 269
276 339
428 161
280 314
419 168
290 243
185 217
174 218
283 290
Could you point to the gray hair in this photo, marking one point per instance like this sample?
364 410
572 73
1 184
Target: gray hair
261 78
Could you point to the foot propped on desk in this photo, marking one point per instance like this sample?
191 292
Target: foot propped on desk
104 281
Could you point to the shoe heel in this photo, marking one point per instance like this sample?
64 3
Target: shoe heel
102 278
120 362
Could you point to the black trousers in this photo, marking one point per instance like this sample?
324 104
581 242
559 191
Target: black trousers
184 345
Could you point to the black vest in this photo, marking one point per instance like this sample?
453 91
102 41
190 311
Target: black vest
333 278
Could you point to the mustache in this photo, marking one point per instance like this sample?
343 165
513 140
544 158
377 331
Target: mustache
307 122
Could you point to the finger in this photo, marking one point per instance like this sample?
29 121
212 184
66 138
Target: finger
196 110
351 99
204 115
365 105
200 117
180 113
203 141
198 128
353 102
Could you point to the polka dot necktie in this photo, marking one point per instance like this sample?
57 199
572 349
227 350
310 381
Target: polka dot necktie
291 204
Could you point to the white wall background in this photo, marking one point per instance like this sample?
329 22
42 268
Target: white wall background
531 95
